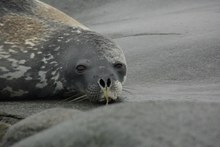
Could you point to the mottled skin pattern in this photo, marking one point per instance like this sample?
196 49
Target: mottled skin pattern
45 57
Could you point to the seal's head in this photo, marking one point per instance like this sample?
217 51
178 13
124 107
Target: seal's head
95 66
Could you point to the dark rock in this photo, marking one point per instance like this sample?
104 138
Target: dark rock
9 118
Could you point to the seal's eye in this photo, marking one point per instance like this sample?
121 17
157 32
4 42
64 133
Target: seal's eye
81 68
118 65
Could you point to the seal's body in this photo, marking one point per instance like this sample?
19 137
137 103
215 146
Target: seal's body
44 55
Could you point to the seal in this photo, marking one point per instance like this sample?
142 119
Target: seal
45 54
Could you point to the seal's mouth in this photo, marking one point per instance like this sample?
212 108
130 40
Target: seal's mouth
107 96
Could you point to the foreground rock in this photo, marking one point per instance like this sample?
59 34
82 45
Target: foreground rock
9 118
37 123
160 123
6 120
3 128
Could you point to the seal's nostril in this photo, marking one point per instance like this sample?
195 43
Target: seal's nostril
109 82
102 83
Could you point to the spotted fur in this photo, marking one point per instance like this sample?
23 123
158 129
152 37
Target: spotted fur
38 52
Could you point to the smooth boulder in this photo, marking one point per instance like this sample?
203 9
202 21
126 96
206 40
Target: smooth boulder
156 123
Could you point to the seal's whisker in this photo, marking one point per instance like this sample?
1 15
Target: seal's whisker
67 99
76 95
126 87
78 98
128 91
64 100
83 99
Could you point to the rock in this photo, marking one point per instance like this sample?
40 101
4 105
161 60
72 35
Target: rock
36 123
9 118
3 128
28 108
156 123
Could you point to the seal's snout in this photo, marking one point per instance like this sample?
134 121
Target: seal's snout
109 89
105 88
104 83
